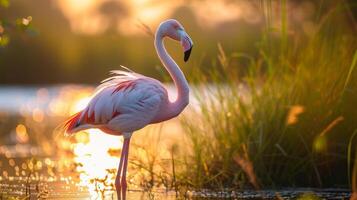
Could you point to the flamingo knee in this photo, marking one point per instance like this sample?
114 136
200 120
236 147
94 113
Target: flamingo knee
118 184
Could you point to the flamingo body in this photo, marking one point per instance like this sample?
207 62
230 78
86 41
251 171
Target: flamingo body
122 104
127 101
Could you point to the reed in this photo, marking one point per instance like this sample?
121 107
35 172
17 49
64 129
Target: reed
282 118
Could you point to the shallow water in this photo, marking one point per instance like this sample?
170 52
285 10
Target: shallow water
48 181
63 190
54 177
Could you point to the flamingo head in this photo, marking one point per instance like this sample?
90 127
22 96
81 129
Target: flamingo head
174 30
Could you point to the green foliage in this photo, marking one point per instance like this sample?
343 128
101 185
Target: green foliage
4 3
7 28
4 40
283 120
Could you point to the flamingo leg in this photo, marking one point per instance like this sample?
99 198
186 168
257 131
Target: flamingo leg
120 180
123 180
117 179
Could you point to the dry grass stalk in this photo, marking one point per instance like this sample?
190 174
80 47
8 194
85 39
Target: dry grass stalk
331 125
247 166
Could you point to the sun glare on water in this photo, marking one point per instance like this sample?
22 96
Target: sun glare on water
97 160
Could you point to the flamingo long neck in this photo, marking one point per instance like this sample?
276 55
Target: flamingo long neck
174 108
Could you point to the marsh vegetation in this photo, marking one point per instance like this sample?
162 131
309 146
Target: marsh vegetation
279 114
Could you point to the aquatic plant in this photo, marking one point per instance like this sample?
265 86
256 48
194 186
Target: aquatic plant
280 118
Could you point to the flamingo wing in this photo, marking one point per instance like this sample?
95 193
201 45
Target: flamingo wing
121 104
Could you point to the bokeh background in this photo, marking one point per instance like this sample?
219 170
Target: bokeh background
79 41
273 93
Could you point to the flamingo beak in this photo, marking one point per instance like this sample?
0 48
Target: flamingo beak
187 54
187 45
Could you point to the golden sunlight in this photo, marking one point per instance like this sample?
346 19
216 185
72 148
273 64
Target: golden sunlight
37 115
93 154
96 165
21 134
293 115
82 15
80 104
95 17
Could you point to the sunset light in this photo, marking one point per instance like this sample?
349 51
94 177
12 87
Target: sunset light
94 160
86 17
178 99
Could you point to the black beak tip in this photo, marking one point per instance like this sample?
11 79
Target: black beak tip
187 54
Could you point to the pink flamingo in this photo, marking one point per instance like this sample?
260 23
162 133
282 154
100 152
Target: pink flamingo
128 101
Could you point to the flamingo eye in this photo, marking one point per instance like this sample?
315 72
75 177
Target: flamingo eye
176 26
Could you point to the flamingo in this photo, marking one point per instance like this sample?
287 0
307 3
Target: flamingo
128 101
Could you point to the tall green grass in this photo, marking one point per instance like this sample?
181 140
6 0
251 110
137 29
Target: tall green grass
283 117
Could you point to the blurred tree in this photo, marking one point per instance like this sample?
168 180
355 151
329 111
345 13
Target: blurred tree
8 26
